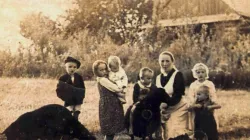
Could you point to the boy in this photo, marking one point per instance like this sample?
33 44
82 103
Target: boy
71 88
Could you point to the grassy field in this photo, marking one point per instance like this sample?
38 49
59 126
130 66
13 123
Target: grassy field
18 96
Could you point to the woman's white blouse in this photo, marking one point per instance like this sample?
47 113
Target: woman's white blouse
169 87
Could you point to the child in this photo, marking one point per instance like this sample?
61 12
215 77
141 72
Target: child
111 113
144 85
118 76
76 88
200 72
204 119
142 89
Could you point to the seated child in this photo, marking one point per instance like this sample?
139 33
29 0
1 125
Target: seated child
118 76
204 120
141 90
144 85
73 101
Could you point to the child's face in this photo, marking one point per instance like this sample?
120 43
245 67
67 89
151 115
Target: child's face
202 95
102 70
71 67
201 74
114 67
147 78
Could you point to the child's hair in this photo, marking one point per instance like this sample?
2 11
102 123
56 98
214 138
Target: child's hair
197 66
71 59
205 89
143 70
114 59
95 66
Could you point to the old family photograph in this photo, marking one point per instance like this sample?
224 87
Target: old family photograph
125 70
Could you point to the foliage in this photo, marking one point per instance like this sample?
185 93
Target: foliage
98 29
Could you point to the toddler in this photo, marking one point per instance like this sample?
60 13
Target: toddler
118 76
203 108
144 84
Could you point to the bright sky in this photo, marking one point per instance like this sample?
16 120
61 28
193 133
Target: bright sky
12 12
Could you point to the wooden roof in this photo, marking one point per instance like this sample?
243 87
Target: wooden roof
242 7
196 20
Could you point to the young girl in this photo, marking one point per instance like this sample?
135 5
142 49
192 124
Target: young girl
118 76
204 121
200 72
144 85
72 100
111 114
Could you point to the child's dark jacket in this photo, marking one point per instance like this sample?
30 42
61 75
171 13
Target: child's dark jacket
71 93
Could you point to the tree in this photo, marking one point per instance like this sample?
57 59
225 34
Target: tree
44 35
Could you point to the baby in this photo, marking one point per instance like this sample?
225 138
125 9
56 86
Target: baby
204 120
118 76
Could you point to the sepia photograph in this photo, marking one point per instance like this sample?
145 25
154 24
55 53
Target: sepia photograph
125 70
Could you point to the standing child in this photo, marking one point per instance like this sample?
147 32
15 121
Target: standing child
111 113
200 72
74 85
118 76
204 121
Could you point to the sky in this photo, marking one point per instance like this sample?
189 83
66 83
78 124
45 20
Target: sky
13 11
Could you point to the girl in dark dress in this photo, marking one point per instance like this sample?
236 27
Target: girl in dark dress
111 112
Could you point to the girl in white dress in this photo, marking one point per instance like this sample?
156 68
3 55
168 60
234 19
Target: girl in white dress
200 72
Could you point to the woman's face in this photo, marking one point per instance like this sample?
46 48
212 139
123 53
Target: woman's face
201 74
166 62
102 70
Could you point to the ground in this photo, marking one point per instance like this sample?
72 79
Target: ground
20 95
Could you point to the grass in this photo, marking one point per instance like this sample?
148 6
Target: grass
20 95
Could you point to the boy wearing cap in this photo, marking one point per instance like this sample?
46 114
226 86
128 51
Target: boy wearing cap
71 88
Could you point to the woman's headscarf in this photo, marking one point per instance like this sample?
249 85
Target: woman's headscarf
172 58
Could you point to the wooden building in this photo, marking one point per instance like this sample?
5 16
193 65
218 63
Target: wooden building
169 13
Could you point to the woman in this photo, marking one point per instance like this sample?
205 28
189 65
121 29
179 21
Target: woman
111 112
172 81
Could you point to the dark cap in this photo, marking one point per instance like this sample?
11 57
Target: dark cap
71 59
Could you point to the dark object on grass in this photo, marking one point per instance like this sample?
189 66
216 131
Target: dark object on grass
50 122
